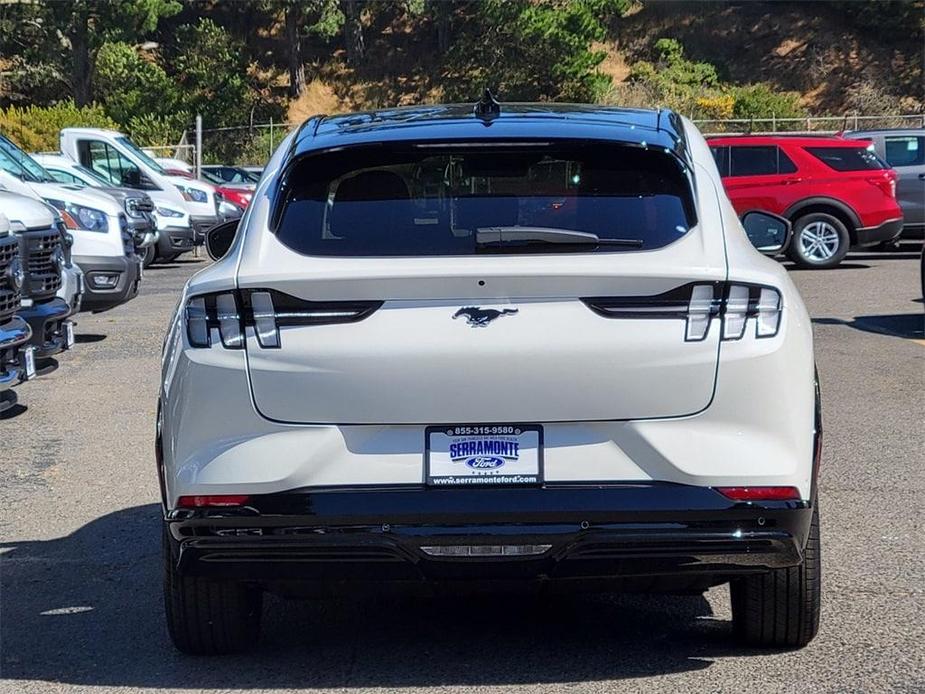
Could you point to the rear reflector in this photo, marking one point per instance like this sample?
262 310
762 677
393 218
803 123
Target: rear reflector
212 500
760 493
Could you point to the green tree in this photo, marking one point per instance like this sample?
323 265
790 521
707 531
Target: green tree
531 49
210 70
129 84
354 40
84 25
319 17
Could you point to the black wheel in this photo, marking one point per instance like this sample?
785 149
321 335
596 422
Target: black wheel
780 609
167 258
206 616
819 241
150 253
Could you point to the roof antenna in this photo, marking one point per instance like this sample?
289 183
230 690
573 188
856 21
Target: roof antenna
487 107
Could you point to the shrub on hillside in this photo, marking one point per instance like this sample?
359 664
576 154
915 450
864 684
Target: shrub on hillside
694 89
153 130
36 128
761 101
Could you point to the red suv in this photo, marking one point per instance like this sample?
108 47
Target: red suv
836 192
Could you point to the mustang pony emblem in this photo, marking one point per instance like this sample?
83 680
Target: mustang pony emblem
480 317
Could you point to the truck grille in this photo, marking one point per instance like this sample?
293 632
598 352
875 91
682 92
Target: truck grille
144 204
40 251
9 297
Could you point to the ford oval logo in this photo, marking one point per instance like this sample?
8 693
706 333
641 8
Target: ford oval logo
485 462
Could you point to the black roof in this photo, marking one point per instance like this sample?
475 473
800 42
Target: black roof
516 121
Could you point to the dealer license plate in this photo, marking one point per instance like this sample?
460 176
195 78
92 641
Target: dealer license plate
28 357
491 454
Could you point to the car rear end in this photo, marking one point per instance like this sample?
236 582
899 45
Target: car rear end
518 361
850 171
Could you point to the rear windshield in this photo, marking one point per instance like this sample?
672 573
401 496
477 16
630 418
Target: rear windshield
464 200
847 158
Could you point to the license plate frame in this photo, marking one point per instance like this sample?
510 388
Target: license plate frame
28 362
521 470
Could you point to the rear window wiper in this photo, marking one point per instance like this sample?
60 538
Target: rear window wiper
494 236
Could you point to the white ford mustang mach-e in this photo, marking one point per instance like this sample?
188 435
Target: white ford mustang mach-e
528 345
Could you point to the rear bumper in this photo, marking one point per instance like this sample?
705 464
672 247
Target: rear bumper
47 323
98 298
601 532
887 231
172 240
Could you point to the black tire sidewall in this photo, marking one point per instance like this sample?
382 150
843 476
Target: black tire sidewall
148 257
794 252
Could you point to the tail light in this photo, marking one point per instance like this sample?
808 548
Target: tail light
885 183
212 500
698 304
227 317
760 493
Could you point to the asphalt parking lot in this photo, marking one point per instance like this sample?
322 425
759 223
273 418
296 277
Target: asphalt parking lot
80 563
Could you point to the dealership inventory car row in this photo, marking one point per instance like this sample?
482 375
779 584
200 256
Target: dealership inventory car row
76 231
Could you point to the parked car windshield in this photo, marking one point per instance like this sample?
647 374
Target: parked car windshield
847 158
210 177
133 148
16 162
99 181
434 199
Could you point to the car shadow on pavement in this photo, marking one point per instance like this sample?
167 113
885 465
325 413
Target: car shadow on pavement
88 338
15 411
910 326
86 610
791 267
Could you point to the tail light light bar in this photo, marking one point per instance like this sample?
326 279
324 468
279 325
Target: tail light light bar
225 316
697 304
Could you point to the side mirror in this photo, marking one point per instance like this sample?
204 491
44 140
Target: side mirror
769 233
219 239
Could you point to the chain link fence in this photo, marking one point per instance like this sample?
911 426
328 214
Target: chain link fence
818 125
254 144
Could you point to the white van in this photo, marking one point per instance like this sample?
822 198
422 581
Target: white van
103 246
120 161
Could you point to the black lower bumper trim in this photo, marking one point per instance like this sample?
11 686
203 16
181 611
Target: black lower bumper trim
47 322
173 240
887 231
573 532
98 298
201 226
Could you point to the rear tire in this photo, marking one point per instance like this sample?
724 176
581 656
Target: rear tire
820 241
780 609
207 616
